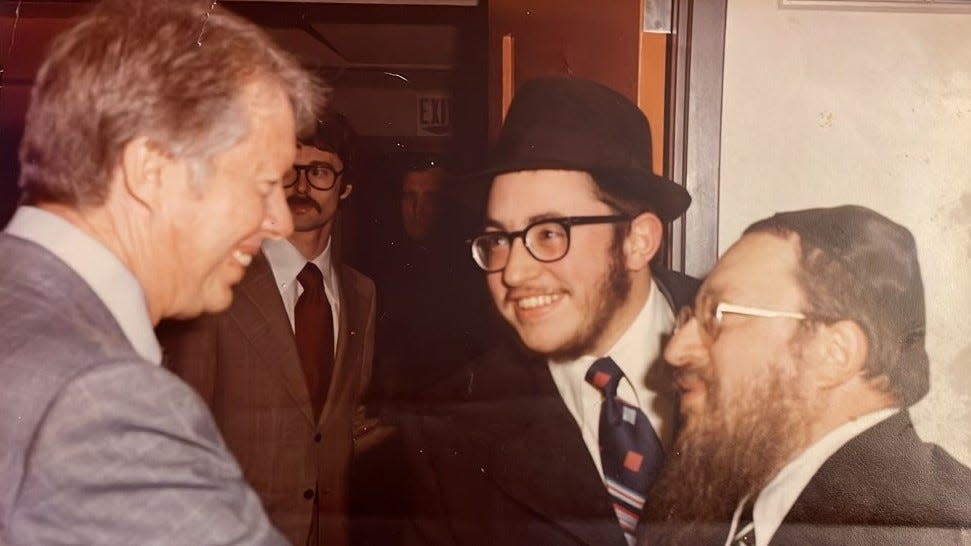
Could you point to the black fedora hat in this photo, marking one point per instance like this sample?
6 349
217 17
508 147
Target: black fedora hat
569 123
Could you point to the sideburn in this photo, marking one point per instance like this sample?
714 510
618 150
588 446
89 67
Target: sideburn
614 290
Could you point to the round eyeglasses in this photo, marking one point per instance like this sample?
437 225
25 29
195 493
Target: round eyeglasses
546 240
320 176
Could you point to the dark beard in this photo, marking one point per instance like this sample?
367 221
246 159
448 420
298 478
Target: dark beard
730 451
614 289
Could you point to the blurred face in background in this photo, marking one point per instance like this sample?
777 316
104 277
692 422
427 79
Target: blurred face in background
421 202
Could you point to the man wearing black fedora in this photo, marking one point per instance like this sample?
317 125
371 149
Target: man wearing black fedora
554 436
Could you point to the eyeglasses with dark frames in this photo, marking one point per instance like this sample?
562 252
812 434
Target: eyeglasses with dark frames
321 176
546 240
710 323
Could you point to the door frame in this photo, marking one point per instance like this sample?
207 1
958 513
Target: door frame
696 66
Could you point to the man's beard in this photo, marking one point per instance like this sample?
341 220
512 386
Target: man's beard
613 289
729 451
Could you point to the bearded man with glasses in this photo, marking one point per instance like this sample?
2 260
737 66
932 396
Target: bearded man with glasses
555 435
284 368
796 366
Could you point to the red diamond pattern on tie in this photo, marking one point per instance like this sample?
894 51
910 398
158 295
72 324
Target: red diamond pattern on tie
314 331
600 379
633 460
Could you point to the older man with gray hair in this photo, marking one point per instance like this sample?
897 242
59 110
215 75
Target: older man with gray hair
151 161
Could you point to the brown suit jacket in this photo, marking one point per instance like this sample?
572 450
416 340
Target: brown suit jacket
244 364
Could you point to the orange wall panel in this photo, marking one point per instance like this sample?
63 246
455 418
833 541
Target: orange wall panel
652 90
595 40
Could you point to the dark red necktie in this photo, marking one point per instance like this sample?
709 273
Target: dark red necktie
314 328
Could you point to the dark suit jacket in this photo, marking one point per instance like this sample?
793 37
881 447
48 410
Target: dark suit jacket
244 363
884 487
507 463
98 445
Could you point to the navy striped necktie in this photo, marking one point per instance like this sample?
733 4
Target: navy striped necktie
630 450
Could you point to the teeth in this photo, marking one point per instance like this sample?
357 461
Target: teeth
533 302
243 258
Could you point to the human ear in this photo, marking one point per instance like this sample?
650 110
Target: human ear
844 347
643 241
143 168
346 191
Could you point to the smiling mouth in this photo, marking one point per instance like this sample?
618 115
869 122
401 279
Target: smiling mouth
535 302
243 258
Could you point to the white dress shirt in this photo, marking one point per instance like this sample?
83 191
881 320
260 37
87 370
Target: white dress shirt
286 262
636 353
776 499
104 272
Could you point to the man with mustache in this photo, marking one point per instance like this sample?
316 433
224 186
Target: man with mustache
556 434
796 366
284 368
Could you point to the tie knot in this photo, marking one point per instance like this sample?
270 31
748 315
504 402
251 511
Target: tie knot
310 277
605 374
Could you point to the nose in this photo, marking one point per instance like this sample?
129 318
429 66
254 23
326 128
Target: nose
685 346
302 185
277 220
521 266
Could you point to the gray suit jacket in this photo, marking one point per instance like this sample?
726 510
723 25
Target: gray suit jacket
97 445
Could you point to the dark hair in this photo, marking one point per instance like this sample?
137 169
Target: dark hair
632 207
859 265
171 71
333 133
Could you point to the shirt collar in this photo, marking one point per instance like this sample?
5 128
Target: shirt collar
100 268
777 497
286 261
641 338
644 336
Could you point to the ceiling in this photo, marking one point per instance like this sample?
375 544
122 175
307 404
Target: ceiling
363 35
378 46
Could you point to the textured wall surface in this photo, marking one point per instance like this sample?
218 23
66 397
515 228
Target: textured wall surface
830 107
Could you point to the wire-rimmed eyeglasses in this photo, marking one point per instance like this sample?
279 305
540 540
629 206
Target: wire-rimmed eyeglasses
546 240
320 176
710 323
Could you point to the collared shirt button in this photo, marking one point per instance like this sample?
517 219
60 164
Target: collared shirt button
317 437
308 494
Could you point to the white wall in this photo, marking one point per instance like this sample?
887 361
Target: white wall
830 107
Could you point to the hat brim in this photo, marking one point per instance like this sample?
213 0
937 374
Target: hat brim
668 199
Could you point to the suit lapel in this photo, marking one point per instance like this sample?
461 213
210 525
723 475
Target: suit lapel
259 313
343 374
349 297
541 461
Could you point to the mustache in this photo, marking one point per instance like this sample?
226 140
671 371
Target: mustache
296 200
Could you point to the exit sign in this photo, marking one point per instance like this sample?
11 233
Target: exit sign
434 115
